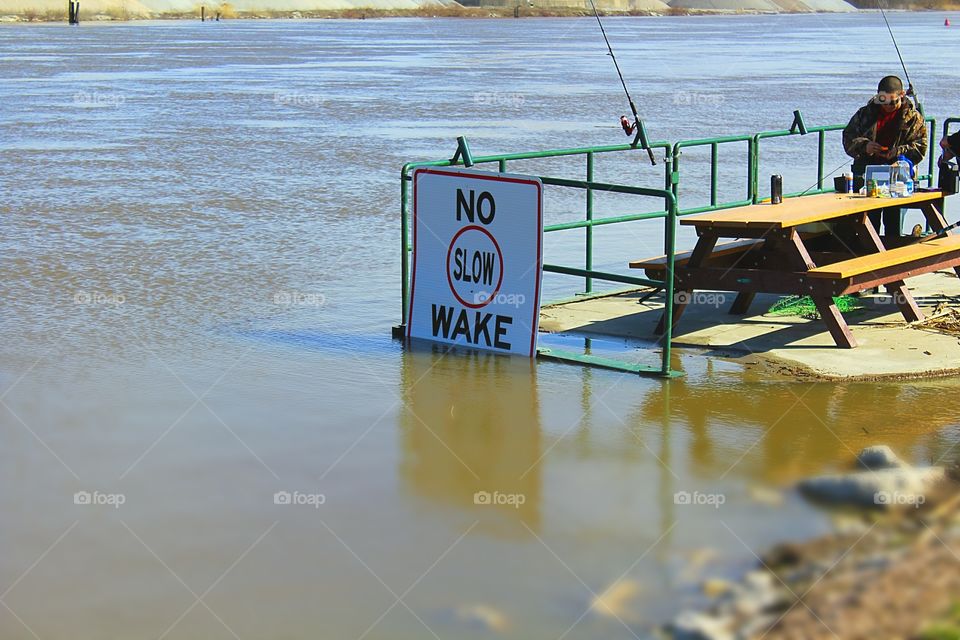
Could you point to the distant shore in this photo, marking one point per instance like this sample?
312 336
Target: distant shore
423 12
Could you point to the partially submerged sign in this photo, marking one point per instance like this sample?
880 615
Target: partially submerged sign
477 259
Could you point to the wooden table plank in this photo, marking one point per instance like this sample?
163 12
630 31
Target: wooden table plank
801 210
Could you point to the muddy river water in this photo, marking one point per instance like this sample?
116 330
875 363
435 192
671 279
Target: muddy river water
207 431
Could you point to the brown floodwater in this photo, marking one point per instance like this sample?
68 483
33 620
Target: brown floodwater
207 430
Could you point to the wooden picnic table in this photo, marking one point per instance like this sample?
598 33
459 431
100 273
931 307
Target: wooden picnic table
785 252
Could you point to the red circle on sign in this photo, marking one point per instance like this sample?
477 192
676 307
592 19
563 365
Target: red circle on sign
475 305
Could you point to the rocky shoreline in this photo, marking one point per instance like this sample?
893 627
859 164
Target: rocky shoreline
892 570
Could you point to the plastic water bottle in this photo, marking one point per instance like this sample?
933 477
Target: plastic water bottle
905 174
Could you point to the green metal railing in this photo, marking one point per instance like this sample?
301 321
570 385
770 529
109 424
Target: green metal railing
672 154
591 187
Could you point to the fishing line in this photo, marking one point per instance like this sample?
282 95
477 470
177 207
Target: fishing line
910 90
804 192
636 116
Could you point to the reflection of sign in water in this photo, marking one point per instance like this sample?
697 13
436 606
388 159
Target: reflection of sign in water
470 436
477 258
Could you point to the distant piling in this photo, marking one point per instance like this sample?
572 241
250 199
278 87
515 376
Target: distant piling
73 11
203 13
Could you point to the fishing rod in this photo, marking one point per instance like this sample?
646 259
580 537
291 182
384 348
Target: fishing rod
637 124
910 91
943 233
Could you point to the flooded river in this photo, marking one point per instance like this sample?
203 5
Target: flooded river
207 430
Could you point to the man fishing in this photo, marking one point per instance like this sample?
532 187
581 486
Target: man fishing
887 127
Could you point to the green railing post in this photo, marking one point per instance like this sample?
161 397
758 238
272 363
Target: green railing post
671 242
404 257
932 150
753 163
588 262
821 149
714 160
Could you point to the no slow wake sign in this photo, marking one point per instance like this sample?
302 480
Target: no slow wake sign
477 259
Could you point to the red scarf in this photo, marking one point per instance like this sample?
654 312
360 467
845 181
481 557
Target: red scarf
886 133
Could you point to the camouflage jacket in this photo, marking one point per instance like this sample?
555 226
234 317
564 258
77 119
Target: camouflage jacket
911 140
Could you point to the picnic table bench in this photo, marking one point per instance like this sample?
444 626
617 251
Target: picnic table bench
822 245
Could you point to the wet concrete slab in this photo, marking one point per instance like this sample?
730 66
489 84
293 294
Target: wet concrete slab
889 347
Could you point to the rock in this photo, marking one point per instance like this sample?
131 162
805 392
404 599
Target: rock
716 587
481 617
887 482
296 15
9 19
887 488
616 600
846 524
758 627
880 457
691 625
766 496
756 595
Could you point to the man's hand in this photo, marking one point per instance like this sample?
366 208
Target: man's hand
947 152
875 149
891 154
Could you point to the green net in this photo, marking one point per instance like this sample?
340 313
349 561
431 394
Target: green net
804 307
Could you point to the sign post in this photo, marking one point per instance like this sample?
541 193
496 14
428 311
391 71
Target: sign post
477 259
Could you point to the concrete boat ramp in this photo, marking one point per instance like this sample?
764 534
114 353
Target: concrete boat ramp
889 347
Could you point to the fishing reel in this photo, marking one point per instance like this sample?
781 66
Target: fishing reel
628 126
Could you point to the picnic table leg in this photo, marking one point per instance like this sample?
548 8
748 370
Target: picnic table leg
742 303
835 323
904 301
831 316
682 297
932 213
901 295
936 221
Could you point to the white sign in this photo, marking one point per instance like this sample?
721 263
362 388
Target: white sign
477 258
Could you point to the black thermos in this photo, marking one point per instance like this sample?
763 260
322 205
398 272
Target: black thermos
776 189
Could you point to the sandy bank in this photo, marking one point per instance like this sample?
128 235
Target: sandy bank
14 11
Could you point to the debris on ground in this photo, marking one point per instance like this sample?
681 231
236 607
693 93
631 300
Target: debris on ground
944 320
